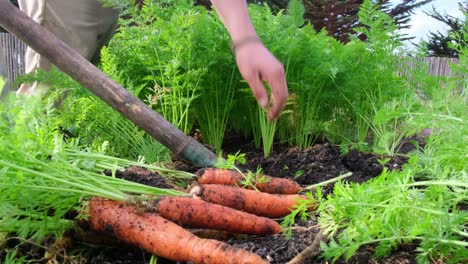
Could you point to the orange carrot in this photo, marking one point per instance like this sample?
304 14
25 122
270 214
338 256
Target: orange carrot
263 183
160 236
254 202
197 213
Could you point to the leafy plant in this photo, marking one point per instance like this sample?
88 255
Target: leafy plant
268 129
420 204
215 108
156 60
44 177
373 87
388 211
301 210
84 116
12 258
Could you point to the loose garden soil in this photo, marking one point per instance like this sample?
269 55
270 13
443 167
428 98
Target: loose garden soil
321 162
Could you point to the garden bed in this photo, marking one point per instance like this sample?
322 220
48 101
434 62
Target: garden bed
316 164
313 165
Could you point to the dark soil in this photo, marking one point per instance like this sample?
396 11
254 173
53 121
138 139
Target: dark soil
316 164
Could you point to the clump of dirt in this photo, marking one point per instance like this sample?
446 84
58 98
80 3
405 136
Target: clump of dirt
143 176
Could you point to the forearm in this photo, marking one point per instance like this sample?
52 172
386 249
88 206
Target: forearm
235 17
256 64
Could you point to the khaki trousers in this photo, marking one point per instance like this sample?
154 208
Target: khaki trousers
85 25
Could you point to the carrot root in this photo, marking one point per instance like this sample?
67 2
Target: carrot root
196 213
160 236
254 202
263 183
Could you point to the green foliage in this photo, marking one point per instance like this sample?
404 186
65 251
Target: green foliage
176 57
11 258
301 210
82 115
156 60
230 162
389 211
44 177
221 82
2 84
296 12
421 203
369 85
336 90
117 3
182 54
267 129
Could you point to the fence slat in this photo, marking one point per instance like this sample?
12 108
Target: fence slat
13 50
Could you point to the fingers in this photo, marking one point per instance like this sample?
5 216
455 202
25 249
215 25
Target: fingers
256 65
278 99
279 93
258 89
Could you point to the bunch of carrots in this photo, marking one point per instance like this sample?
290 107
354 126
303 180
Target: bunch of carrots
216 201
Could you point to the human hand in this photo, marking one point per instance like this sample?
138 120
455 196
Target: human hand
256 65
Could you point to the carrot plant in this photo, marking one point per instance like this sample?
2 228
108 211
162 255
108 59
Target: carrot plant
214 113
180 64
268 129
157 59
82 115
423 204
370 83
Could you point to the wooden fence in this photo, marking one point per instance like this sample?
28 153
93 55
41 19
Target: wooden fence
13 60
438 66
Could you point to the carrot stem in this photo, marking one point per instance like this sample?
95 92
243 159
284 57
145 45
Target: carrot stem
343 176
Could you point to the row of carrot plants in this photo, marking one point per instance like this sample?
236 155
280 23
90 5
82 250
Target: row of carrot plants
182 66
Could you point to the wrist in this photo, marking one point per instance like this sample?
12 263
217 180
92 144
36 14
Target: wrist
236 45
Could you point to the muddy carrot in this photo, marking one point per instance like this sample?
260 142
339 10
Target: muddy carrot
254 202
192 212
160 236
263 183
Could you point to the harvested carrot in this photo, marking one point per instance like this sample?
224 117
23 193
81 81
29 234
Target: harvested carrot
254 202
197 213
160 236
263 183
